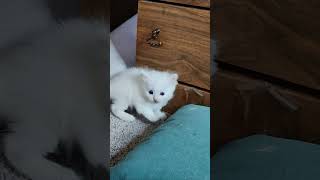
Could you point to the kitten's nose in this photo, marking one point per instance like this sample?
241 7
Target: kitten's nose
154 100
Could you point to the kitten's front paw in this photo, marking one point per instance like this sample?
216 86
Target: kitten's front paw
151 117
154 119
162 115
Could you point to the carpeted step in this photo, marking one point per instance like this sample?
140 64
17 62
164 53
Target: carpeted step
124 135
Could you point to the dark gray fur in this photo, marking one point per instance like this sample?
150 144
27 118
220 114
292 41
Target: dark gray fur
53 87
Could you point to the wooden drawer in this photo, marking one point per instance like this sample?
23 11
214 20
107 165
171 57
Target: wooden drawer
279 39
185 37
200 3
187 95
244 106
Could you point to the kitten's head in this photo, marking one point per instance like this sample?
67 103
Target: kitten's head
159 86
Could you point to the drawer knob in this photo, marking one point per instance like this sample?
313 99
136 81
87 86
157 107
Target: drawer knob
154 40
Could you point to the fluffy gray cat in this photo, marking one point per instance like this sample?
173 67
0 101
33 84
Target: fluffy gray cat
53 89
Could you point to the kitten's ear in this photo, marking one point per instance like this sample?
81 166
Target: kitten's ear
174 76
144 76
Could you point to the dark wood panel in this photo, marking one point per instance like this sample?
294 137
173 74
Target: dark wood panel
200 3
244 106
187 95
95 9
121 11
185 37
277 38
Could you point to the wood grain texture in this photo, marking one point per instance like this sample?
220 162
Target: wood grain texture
244 106
186 95
200 3
277 38
185 33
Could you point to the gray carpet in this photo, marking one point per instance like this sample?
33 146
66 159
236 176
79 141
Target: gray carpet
123 132
124 135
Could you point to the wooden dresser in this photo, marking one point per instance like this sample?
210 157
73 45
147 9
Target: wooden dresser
175 35
268 80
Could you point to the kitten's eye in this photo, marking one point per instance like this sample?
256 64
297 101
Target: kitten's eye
150 92
162 93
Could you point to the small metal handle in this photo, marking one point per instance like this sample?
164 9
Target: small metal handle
154 40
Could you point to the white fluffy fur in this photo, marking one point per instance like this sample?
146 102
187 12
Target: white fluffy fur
131 87
116 62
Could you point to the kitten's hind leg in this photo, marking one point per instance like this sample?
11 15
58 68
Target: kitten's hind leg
26 156
118 109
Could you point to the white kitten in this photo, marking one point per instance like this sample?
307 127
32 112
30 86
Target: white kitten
116 62
144 89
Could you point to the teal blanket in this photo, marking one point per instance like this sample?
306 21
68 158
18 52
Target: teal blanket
178 149
261 157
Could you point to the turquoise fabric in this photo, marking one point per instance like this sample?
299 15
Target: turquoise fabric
178 149
261 157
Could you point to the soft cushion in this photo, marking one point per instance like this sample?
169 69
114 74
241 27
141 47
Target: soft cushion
261 157
178 149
